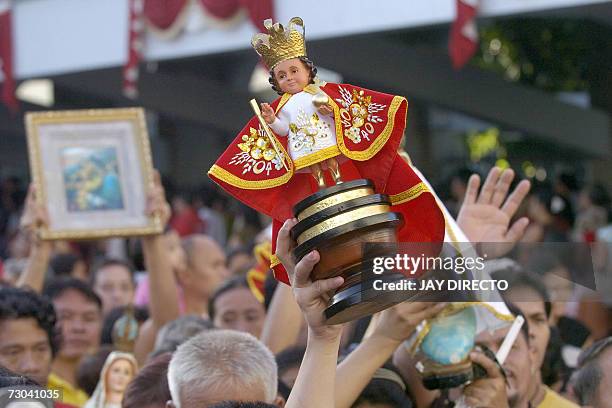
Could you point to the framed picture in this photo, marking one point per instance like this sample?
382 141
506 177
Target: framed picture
92 170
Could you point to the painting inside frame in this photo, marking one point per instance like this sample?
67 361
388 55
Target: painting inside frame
92 169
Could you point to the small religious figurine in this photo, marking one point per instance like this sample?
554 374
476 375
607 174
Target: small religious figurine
319 134
118 370
125 331
318 137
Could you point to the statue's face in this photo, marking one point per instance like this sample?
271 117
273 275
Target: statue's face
292 75
119 375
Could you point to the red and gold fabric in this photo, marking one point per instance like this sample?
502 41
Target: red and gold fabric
256 276
369 128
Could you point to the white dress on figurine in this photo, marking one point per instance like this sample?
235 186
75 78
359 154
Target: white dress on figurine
311 136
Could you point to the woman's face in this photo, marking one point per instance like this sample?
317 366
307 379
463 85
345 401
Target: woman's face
238 309
119 375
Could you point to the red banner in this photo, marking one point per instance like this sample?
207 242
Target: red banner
221 9
463 41
164 14
6 57
161 14
135 45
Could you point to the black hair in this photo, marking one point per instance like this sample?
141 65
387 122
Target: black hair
242 250
599 195
177 331
232 283
11 379
270 284
211 195
517 277
290 357
135 254
385 390
309 64
283 389
554 367
558 206
90 367
517 312
111 262
569 180
463 174
16 303
63 264
141 314
587 378
150 386
57 287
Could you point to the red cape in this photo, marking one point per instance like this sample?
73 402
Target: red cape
369 129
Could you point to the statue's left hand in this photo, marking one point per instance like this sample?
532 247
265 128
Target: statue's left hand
325 110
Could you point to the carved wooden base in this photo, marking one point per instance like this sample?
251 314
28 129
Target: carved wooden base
337 222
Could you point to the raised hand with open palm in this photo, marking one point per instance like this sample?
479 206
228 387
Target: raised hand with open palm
485 215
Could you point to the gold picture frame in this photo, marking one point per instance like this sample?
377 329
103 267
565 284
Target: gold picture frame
92 170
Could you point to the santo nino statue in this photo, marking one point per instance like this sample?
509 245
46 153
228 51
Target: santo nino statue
324 134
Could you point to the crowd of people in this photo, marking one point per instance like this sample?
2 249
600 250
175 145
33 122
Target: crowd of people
175 319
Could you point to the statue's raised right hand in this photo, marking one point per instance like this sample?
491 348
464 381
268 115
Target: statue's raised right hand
268 113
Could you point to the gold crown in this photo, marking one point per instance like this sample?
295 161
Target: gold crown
280 44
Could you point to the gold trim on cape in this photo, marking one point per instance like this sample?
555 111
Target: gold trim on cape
381 139
251 275
410 194
233 180
283 101
274 261
316 157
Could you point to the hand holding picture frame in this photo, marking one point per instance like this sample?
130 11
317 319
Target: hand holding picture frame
92 170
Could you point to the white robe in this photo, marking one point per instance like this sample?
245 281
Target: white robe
307 130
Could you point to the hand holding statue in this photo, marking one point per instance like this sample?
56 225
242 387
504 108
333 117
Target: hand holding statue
312 297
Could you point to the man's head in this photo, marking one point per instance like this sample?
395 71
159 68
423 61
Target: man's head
149 389
28 338
113 282
69 264
10 381
529 295
221 365
178 331
520 366
206 266
79 315
593 379
233 306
